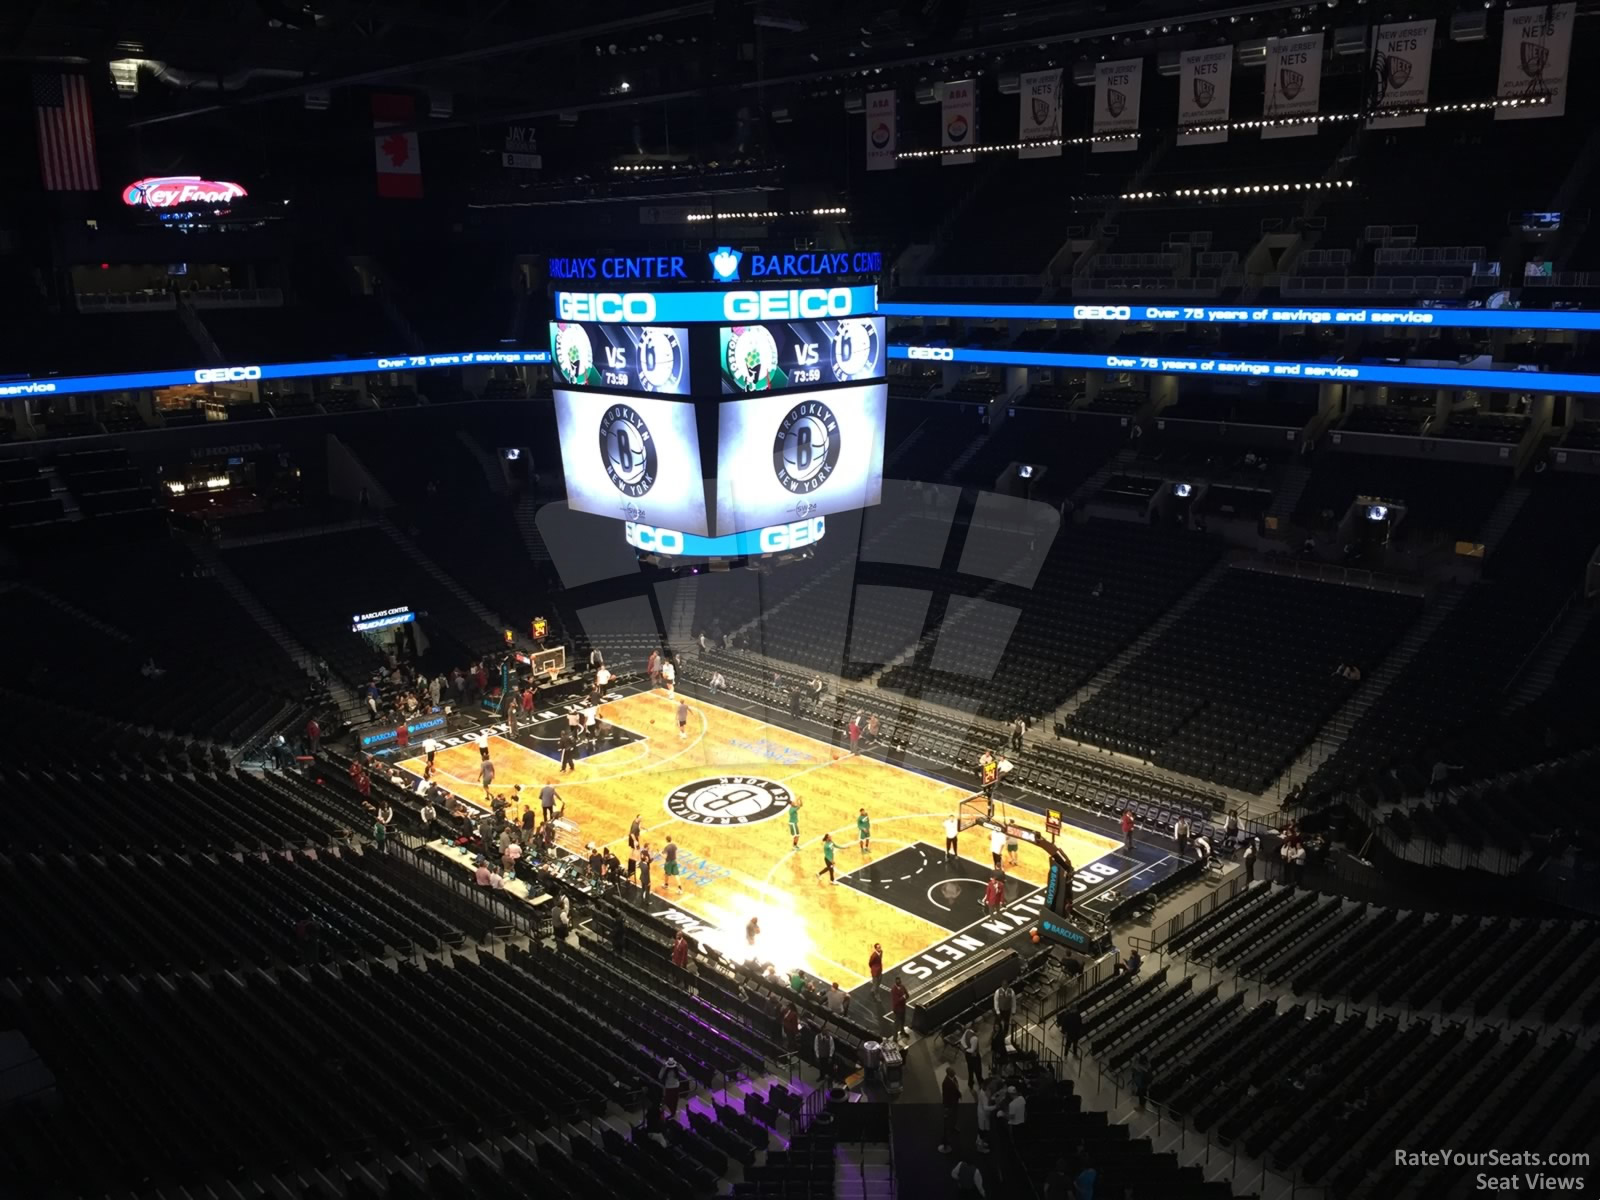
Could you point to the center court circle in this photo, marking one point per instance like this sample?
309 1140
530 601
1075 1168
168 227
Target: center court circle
729 800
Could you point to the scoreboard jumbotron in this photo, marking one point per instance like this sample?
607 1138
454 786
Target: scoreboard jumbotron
729 411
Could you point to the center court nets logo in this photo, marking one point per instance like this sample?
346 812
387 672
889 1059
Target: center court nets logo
729 800
627 450
806 448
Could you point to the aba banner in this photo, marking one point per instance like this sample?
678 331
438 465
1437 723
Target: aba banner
1039 133
1534 54
1402 65
1205 78
880 131
1294 85
1116 104
959 109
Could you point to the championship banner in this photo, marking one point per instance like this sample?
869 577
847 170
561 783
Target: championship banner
1534 53
1402 66
1205 80
1039 133
1116 104
880 131
959 111
1294 84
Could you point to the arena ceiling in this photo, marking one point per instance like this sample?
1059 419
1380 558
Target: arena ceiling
500 60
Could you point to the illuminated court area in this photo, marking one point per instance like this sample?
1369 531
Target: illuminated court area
723 793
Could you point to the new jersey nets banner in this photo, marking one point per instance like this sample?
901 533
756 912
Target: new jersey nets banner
1039 131
1116 104
1534 54
1402 64
1294 84
958 106
880 131
1205 78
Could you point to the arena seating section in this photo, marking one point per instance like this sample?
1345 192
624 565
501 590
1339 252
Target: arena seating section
356 574
143 932
1235 700
1445 1054
1066 631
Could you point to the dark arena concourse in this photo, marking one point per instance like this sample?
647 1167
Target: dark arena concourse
799 601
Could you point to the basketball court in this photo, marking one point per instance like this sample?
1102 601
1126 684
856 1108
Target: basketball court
723 793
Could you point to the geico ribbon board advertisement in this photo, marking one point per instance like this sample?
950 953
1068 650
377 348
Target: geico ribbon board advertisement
760 358
635 459
793 455
635 358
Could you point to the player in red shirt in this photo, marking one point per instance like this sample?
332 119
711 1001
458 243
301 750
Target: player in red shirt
875 966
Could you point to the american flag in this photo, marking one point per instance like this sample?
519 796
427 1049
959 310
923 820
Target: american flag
66 133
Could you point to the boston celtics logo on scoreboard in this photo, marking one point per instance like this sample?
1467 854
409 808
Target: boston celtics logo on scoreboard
627 450
806 448
729 800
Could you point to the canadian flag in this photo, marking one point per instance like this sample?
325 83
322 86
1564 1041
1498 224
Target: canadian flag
399 159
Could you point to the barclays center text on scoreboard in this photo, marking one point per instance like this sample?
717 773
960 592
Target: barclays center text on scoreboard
725 420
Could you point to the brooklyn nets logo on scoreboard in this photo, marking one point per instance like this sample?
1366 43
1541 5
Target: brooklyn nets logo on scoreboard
627 450
729 800
806 449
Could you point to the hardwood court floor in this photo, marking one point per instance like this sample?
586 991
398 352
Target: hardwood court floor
719 793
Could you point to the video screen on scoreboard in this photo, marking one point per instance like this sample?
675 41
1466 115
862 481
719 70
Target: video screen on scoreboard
635 459
798 454
635 358
787 354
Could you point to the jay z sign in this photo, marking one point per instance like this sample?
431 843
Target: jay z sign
174 191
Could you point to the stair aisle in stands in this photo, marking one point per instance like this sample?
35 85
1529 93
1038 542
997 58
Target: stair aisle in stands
1332 735
1290 489
1540 671
415 554
1504 514
1136 647
526 512
350 708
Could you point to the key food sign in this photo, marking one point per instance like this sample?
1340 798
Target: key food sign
176 191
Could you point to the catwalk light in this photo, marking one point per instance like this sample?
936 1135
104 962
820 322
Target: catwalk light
1317 119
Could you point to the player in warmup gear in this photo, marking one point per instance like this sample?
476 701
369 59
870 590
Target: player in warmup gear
669 858
952 832
669 675
827 858
483 744
683 720
794 822
864 830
